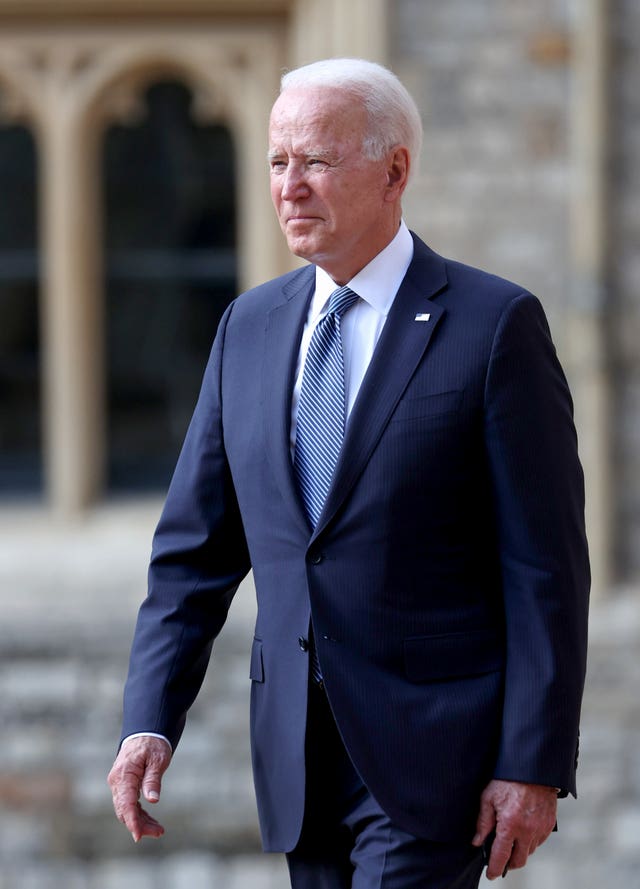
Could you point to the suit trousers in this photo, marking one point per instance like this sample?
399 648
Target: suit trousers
348 842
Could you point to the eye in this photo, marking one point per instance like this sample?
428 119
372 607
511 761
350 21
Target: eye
317 162
277 165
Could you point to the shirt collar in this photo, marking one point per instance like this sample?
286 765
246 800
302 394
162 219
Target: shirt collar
377 283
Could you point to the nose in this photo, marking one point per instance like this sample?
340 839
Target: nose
294 183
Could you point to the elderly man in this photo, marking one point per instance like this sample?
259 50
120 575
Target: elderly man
385 437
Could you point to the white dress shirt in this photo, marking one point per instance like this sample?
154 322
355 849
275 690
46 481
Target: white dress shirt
376 285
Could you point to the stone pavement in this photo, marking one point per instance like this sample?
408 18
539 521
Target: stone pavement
68 597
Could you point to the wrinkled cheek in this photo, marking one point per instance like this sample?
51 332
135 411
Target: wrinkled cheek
275 197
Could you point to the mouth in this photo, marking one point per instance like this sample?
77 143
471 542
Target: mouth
300 219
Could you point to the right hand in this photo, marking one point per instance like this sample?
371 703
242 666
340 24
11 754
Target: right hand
139 768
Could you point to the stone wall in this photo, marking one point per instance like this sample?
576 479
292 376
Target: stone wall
68 596
624 271
491 80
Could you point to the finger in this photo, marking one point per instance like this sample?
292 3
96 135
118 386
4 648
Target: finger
155 766
138 822
127 809
125 790
500 857
485 824
519 856
141 824
535 842
152 784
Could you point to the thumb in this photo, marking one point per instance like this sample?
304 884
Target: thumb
155 767
486 822
152 784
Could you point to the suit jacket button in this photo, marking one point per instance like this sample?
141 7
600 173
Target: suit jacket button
303 643
316 558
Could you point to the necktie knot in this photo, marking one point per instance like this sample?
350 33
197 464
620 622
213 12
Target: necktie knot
341 300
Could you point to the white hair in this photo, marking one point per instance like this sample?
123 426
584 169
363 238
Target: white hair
393 115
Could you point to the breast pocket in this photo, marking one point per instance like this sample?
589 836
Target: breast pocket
435 404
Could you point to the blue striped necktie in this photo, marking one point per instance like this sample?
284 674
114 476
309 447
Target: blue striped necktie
321 407
321 419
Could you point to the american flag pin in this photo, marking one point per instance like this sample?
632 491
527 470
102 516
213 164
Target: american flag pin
422 316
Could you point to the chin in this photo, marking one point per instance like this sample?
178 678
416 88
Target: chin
300 247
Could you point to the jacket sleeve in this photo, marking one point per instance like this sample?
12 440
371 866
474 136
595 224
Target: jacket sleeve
538 493
198 559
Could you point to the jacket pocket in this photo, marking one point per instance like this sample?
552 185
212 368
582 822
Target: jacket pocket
256 667
433 405
452 655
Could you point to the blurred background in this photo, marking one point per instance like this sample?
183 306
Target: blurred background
133 207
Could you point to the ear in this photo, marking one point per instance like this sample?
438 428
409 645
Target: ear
398 166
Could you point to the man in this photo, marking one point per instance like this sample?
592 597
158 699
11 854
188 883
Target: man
396 460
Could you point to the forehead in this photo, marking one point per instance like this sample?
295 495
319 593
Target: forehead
314 116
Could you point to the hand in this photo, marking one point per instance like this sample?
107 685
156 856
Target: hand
523 816
139 767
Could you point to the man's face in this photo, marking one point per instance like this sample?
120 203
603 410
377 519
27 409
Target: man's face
332 203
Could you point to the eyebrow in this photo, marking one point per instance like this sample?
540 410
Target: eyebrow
323 153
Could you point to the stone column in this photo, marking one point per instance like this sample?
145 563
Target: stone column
72 305
587 314
360 29
72 364
262 250
338 28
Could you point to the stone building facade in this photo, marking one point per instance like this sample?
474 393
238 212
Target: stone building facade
530 169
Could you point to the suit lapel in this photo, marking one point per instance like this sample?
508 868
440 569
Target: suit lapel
401 346
282 343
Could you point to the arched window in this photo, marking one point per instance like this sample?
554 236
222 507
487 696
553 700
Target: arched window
20 423
170 249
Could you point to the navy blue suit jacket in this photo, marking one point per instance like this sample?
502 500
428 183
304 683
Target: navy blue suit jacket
447 578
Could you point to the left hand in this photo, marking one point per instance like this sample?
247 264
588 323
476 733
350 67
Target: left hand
523 816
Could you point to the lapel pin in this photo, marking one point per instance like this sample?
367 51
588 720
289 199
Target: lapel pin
422 316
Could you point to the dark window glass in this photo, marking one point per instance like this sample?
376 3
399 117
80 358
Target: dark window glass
20 450
171 271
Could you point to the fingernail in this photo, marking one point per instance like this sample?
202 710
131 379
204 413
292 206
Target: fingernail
153 796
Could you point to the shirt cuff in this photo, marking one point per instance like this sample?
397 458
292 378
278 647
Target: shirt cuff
147 735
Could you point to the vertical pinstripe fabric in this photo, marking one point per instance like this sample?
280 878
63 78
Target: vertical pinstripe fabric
321 410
